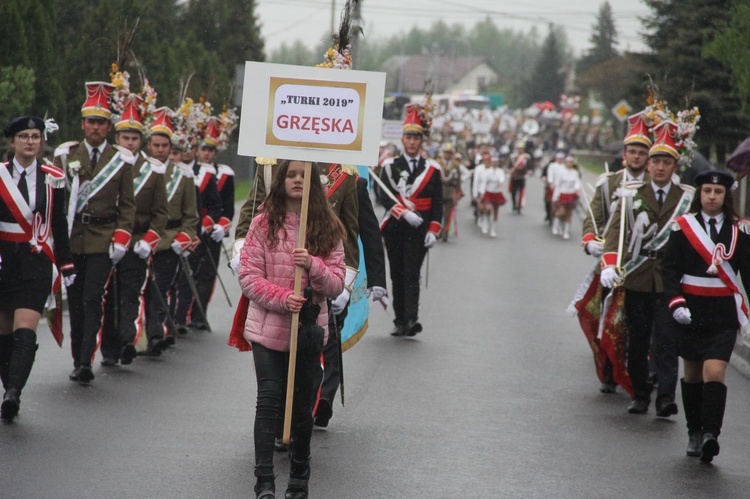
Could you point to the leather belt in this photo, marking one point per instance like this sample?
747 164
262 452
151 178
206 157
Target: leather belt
173 224
652 254
87 219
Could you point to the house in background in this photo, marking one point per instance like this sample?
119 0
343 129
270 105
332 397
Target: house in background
406 74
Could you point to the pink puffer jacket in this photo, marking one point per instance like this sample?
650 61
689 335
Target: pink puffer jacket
267 279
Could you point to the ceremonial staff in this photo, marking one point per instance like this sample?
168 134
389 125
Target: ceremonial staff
159 296
621 241
295 315
210 259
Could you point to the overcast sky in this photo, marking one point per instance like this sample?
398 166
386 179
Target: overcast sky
310 20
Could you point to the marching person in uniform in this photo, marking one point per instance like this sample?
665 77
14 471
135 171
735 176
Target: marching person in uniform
209 210
125 305
101 212
182 219
522 164
636 145
705 251
32 208
451 169
489 185
566 190
653 206
411 225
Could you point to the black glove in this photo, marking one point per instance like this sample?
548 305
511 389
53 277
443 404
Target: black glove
310 335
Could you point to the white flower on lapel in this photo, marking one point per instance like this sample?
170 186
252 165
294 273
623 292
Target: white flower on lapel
74 167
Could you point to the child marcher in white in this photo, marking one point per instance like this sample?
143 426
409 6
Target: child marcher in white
566 191
489 192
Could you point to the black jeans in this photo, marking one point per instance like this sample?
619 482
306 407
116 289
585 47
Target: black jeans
646 312
131 282
271 369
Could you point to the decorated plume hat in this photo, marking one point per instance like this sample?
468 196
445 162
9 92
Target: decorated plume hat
212 133
131 119
413 124
97 100
664 140
638 131
714 177
162 123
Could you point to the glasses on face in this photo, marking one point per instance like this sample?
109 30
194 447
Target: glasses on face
26 137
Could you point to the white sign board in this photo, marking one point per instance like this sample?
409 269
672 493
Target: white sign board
311 114
392 130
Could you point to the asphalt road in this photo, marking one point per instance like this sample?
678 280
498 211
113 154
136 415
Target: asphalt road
496 398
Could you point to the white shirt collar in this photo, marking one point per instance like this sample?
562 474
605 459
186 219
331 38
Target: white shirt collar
719 218
100 147
20 169
409 159
629 177
665 189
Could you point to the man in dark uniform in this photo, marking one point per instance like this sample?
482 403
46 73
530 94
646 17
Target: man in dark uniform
182 219
101 210
522 164
412 224
209 208
653 206
124 303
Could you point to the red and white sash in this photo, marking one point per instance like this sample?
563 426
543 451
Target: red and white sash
204 176
708 251
410 197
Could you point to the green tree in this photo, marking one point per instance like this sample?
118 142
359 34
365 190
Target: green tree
732 47
547 80
16 92
603 39
678 33
14 45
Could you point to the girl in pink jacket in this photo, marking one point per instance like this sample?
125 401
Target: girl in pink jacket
267 264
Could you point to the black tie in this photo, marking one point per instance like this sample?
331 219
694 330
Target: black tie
23 187
712 229
94 157
413 165
660 198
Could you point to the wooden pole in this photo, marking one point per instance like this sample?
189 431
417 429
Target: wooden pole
295 315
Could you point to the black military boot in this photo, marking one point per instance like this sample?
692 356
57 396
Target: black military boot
22 359
6 351
714 402
265 487
299 475
692 401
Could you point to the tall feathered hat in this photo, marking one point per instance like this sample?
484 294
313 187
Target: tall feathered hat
638 131
339 56
97 100
162 122
191 121
130 110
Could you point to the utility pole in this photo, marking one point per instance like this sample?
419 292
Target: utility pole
356 21
333 17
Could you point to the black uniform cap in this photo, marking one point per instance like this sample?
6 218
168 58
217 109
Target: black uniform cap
714 177
23 123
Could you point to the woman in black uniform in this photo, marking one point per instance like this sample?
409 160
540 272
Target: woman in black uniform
706 250
32 196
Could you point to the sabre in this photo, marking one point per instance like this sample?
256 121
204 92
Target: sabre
227 256
341 357
382 185
189 276
591 214
159 296
211 260
621 241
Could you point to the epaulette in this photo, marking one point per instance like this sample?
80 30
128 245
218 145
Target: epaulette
225 170
185 169
55 176
433 163
126 155
64 148
604 177
209 168
157 166
387 162
744 226
687 188
674 226
350 170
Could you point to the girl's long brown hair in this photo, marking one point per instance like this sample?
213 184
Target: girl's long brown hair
324 229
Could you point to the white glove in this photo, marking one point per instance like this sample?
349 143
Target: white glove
339 303
377 293
68 280
142 249
412 218
218 233
429 240
609 277
595 248
234 263
116 252
682 315
177 248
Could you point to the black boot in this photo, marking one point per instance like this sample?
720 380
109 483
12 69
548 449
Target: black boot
24 352
6 350
265 487
299 475
692 401
714 402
